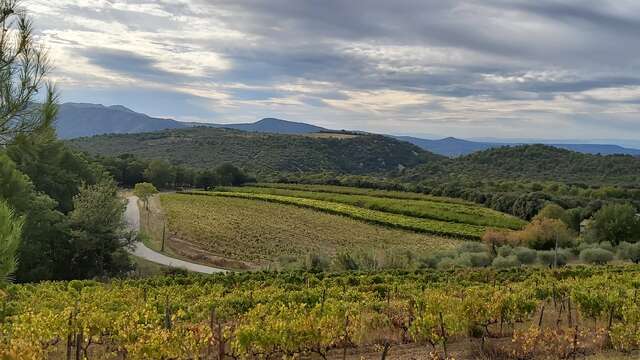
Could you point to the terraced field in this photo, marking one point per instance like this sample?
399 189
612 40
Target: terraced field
236 226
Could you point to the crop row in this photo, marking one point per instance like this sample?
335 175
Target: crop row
458 230
299 315
348 190
450 212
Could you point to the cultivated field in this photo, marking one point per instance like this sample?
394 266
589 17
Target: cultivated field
434 208
259 232
573 313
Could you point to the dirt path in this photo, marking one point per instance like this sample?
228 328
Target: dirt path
132 216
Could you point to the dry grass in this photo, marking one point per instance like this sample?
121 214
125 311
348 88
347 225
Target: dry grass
259 232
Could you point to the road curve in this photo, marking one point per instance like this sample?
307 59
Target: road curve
132 217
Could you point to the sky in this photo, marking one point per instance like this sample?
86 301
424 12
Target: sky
485 68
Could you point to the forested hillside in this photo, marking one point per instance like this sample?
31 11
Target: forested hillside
536 162
264 154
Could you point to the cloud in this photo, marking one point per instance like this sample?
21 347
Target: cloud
461 67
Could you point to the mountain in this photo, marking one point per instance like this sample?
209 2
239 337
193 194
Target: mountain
264 153
534 163
275 126
453 147
450 147
78 120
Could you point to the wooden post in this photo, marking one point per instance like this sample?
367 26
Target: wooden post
164 231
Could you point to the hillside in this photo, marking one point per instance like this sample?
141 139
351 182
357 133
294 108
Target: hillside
536 162
261 153
453 147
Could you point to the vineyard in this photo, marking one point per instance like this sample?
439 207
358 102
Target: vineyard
429 226
435 209
518 314
259 232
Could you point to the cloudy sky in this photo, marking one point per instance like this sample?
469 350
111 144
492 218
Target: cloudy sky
519 68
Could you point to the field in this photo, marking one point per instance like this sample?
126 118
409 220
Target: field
259 232
434 208
470 314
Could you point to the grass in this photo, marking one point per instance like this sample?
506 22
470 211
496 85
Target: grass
427 208
436 227
260 232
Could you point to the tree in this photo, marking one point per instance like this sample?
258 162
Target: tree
616 223
52 166
144 191
230 175
23 67
10 235
160 174
545 234
552 211
97 232
44 253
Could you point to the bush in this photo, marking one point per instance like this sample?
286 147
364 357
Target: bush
596 256
480 259
464 260
525 255
432 261
344 261
472 247
505 251
542 234
502 262
447 263
315 262
546 257
628 251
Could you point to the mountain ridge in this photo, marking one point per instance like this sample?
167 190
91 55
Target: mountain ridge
86 119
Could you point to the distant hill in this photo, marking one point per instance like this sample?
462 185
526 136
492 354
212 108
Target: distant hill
262 153
453 147
535 162
275 126
78 120
450 147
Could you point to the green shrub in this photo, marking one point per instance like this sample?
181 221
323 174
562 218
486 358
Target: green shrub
596 256
432 260
463 260
525 255
606 246
628 251
502 262
480 259
344 261
472 247
315 262
505 251
447 263
547 257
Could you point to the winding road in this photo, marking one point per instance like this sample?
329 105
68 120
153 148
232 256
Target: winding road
132 216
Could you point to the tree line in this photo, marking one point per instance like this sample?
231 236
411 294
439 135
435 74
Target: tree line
127 171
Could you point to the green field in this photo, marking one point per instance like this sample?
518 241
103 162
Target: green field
259 232
414 205
436 227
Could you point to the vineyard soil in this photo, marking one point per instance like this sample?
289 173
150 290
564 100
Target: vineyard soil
258 233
